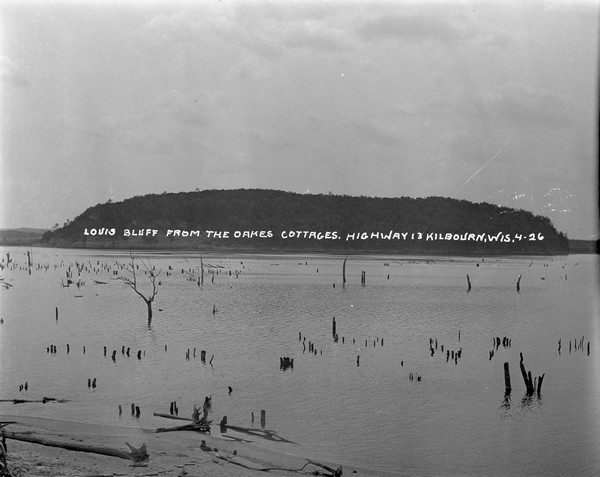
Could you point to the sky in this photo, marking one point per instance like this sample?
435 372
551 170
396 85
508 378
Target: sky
488 101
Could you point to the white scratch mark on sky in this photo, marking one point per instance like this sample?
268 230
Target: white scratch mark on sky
478 171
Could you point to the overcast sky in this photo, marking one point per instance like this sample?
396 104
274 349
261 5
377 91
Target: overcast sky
490 101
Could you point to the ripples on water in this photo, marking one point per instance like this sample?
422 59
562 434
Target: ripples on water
452 422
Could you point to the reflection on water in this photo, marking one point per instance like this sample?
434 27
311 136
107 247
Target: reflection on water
253 310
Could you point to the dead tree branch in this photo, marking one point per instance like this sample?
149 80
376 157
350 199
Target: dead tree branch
131 280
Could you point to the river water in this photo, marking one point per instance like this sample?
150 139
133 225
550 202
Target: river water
253 309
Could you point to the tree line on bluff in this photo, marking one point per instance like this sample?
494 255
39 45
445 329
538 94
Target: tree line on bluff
259 209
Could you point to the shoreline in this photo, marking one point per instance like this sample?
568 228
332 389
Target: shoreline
309 251
239 251
170 454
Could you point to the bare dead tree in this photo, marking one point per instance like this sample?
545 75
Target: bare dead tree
131 280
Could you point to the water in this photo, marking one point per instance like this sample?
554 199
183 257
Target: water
452 422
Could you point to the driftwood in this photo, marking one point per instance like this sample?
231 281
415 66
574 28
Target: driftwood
198 427
44 400
198 423
264 433
136 455
334 472
171 416
261 469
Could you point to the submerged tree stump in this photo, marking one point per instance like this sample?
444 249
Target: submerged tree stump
530 384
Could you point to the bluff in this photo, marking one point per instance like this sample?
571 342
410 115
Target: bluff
272 220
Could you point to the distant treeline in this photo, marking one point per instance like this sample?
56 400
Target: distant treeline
21 236
271 220
584 246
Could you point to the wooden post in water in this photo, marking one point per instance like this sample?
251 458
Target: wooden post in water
333 326
507 386
468 283
263 418
539 385
57 313
344 271
519 283
201 272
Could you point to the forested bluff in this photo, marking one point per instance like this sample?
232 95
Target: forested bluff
275 221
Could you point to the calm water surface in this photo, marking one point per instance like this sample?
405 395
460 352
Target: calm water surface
454 421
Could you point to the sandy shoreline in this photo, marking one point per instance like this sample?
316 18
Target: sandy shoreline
171 453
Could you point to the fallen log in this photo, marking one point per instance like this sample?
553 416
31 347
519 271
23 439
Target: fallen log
187 427
136 455
171 416
261 469
44 400
334 472
264 433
